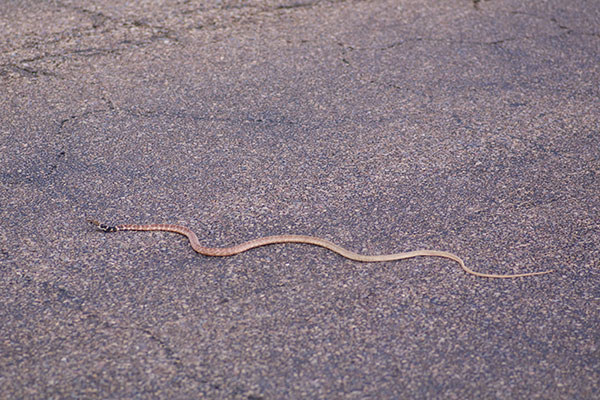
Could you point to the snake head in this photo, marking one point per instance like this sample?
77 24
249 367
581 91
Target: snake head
102 227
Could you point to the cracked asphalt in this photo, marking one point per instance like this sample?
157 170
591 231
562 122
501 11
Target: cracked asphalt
471 126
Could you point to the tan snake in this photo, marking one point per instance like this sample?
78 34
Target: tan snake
263 241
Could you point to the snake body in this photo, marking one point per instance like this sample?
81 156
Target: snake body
267 240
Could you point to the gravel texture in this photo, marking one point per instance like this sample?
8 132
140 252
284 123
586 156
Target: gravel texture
466 126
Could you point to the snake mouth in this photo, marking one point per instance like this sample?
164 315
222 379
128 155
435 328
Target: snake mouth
93 222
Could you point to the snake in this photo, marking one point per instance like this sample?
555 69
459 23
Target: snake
313 240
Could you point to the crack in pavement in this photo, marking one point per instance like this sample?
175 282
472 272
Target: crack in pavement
103 26
54 293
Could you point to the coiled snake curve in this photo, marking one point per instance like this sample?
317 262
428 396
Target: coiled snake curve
263 241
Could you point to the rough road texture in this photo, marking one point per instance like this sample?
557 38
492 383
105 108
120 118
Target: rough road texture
385 126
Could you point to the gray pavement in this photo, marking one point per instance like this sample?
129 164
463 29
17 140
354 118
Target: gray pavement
466 126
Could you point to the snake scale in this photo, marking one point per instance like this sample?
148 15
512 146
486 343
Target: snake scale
267 240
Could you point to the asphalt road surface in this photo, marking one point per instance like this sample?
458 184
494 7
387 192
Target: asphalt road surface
384 126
